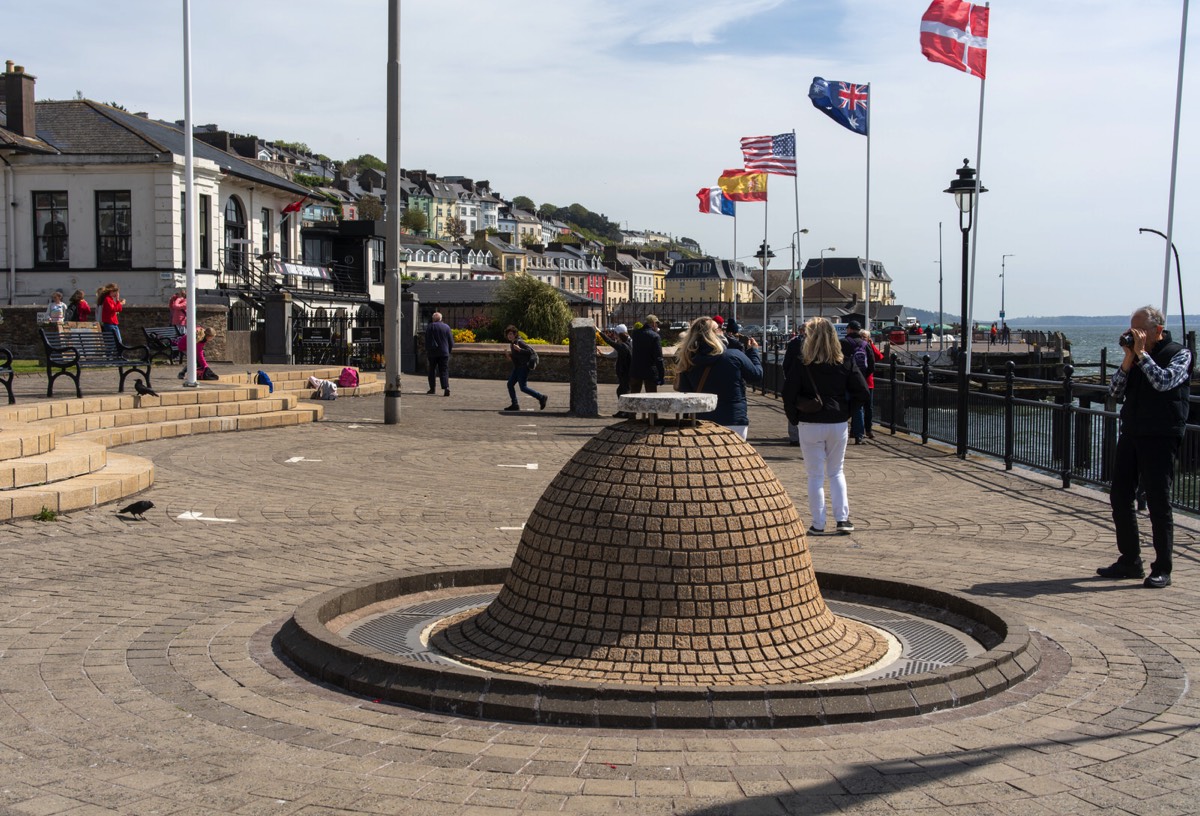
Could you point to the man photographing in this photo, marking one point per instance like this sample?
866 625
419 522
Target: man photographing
1154 381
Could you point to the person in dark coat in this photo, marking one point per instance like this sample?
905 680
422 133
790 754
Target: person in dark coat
705 364
1153 382
439 342
646 370
823 371
790 355
618 337
521 355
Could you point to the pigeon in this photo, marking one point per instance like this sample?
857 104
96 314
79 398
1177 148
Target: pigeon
137 509
143 389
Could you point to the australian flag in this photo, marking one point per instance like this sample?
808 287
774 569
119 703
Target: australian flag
843 102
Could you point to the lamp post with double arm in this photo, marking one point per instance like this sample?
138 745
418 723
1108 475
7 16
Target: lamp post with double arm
822 274
965 189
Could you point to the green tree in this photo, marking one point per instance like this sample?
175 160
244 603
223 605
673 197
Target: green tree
528 239
373 162
536 308
547 212
414 221
524 203
299 147
370 208
456 227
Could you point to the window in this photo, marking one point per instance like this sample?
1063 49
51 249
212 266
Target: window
114 229
378 260
203 247
50 228
268 245
285 240
235 236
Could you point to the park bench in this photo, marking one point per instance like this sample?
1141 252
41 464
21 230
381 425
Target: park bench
80 348
6 373
163 342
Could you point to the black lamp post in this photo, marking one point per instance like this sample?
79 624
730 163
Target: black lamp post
764 256
965 188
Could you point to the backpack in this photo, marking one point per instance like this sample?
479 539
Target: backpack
348 378
533 359
261 378
326 390
862 358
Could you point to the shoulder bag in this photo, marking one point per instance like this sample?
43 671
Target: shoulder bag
813 404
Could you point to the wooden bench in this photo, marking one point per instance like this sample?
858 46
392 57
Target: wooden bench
6 373
80 348
163 341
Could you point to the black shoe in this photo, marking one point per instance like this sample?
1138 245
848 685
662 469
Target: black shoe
1158 580
1121 569
845 527
513 407
446 394
542 400
793 444
870 435
858 440
430 391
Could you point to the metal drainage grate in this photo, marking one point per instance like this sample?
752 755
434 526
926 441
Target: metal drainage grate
925 645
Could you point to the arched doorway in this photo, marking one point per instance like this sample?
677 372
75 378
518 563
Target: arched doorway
235 237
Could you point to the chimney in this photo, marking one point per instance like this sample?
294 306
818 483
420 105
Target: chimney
18 100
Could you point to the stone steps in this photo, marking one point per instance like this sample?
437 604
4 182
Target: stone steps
54 454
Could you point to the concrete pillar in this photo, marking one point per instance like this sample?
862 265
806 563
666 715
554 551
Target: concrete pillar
277 328
584 401
410 312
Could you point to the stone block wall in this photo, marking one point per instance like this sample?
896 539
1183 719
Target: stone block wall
19 329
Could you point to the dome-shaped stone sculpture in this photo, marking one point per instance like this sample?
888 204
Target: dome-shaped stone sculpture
664 554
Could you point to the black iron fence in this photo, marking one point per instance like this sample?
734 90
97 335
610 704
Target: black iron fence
338 339
1062 427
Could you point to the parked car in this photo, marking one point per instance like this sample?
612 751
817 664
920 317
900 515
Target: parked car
677 326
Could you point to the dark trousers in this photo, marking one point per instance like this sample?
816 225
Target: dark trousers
1148 463
649 385
439 367
518 378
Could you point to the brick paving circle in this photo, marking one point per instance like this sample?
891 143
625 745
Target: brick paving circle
137 674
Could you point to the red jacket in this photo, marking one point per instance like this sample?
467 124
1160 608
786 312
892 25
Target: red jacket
110 308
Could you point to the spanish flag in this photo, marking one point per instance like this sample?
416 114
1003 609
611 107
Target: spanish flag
743 185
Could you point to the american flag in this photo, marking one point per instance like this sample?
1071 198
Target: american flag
771 154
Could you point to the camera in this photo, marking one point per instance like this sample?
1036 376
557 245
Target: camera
1126 340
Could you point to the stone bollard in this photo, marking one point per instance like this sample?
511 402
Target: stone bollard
584 400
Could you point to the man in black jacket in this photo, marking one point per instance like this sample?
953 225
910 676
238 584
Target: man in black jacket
439 342
618 337
1154 381
646 364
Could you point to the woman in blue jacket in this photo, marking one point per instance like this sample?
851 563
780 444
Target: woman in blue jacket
704 364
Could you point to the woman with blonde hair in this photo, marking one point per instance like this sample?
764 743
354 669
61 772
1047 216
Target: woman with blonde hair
821 391
704 364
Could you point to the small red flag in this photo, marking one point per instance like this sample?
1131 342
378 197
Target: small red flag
294 206
955 33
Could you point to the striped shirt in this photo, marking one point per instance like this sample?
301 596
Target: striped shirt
1162 379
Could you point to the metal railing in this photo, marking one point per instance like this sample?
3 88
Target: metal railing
338 339
1062 427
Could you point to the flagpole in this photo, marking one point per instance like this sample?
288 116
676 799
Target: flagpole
968 320
798 280
733 264
867 313
189 193
1174 163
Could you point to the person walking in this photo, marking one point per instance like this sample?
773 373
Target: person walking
177 305
439 342
831 388
1153 382
618 337
790 355
520 354
78 310
646 370
108 298
705 364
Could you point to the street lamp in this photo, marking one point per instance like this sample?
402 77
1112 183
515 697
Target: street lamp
1003 258
822 274
964 189
1178 277
764 256
797 278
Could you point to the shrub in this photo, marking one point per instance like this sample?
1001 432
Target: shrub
46 514
463 336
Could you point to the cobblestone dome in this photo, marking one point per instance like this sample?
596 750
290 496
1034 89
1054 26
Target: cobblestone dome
663 555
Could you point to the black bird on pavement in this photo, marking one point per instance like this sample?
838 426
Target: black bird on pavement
143 389
137 509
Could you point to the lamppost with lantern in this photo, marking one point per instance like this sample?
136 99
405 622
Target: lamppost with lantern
1003 258
822 274
797 278
764 256
965 188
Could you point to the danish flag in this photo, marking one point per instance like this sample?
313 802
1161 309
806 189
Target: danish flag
954 32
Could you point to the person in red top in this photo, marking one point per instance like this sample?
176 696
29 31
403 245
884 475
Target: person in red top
108 297
178 306
78 310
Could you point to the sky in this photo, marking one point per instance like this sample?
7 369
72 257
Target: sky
629 107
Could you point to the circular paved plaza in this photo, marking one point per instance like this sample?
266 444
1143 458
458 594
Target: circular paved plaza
138 675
